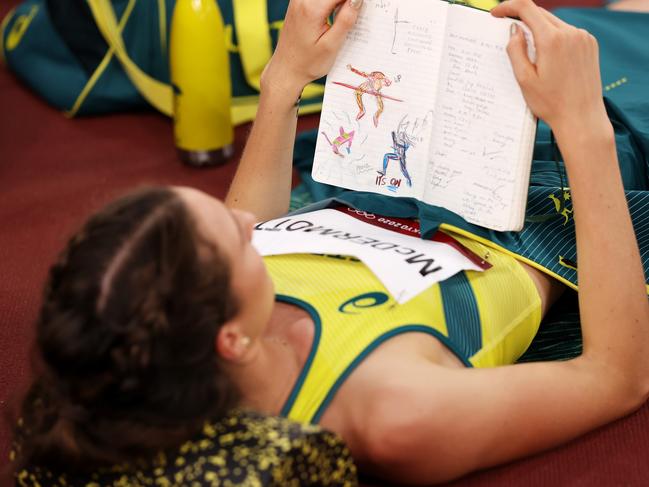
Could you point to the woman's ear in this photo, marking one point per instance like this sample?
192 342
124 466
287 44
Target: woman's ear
231 343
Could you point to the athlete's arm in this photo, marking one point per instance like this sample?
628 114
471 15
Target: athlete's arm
356 71
306 50
437 423
613 302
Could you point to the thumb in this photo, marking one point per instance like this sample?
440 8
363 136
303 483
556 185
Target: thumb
343 22
523 69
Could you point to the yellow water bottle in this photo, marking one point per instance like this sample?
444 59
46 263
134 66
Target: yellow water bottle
200 75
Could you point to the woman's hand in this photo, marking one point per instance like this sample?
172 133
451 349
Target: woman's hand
563 87
308 45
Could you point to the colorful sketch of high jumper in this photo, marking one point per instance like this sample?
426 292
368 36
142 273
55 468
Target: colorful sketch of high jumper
375 81
345 138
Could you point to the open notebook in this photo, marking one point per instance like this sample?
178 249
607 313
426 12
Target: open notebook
422 102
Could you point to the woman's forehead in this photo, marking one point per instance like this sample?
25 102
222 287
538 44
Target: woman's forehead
199 201
213 219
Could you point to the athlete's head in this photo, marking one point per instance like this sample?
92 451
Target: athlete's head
145 310
230 230
378 75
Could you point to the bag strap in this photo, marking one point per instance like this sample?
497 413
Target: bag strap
162 26
158 94
255 47
3 27
255 44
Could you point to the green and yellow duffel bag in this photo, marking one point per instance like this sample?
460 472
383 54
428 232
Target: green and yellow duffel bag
98 56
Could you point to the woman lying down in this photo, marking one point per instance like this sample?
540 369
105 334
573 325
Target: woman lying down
160 317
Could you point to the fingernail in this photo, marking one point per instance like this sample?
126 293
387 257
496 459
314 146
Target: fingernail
513 29
356 3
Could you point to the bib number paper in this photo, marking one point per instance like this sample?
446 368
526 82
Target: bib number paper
403 262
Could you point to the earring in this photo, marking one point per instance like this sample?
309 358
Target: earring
245 341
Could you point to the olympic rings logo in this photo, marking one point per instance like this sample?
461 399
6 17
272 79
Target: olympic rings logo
364 214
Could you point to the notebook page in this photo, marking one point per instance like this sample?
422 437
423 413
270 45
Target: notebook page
390 58
483 132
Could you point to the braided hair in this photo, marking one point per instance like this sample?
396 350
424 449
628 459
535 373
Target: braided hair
124 358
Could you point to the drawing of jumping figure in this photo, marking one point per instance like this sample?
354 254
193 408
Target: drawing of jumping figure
345 138
376 80
401 142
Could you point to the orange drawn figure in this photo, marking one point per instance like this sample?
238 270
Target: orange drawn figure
376 80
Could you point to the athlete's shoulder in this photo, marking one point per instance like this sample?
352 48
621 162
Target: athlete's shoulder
379 407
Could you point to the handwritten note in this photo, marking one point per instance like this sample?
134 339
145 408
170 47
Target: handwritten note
480 143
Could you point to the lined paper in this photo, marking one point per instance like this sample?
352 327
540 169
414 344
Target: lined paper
477 164
403 40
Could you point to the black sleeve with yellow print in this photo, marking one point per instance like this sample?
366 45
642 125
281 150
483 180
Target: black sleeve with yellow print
241 449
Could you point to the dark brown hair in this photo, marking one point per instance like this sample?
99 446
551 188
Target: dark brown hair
125 358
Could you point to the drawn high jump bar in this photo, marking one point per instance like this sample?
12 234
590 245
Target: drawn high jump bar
369 92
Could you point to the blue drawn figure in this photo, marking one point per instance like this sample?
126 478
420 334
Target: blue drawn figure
401 142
